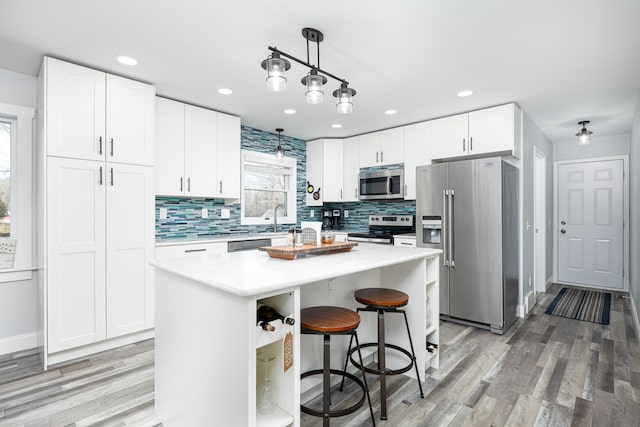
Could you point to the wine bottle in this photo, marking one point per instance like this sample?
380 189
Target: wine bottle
268 314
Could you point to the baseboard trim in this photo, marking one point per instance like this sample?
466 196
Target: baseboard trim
634 311
520 311
548 283
18 343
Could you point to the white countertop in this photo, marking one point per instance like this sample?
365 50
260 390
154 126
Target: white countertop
252 273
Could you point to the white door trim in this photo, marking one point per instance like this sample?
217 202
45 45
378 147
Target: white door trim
625 196
539 224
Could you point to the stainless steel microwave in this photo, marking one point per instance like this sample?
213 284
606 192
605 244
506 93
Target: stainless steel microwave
382 184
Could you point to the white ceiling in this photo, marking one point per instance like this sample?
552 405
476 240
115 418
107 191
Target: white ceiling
561 61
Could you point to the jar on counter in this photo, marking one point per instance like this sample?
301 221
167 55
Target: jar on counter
291 237
299 240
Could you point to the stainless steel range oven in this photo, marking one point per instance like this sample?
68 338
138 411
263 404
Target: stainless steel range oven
383 227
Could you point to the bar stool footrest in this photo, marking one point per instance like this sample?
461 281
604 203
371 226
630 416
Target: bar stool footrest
386 371
338 412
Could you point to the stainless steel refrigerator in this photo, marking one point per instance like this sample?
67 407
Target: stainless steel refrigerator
469 209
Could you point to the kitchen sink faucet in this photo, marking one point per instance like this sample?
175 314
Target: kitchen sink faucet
275 217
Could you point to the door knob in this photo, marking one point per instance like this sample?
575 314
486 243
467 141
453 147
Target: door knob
563 231
563 222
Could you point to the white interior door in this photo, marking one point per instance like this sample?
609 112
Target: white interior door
590 223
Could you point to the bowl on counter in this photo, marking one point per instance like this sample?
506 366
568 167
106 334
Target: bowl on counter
327 238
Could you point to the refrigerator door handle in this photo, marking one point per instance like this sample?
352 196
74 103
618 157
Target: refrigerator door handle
452 262
445 259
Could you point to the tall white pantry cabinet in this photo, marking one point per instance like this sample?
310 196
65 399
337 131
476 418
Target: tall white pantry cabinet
95 210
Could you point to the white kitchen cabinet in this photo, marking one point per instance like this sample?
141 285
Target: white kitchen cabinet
96 215
130 235
392 146
314 172
417 149
200 148
490 130
228 156
332 167
408 241
191 249
449 136
351 169
340 236
75 248
198 151
382 148
93 115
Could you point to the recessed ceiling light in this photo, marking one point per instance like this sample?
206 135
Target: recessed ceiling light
390 112
225 91
126 60
336 125
289 111
464 93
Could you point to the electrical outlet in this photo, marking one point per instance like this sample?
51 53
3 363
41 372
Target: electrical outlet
312 213
205 213
346 214
225 213
163 213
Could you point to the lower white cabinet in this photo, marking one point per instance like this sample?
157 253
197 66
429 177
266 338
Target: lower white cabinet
191 249
409 241
99 234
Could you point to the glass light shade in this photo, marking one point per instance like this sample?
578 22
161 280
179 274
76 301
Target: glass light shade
279 152
584 138
315 95
344 105
276 67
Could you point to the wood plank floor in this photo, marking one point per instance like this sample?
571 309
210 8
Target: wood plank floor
546 371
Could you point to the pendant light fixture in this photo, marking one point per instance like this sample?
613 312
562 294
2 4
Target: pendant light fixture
314 81
584 136
279 149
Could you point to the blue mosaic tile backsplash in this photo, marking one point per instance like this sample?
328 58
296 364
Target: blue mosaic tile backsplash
183 214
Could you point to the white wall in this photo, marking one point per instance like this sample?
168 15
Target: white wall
634 226
18 300
604 146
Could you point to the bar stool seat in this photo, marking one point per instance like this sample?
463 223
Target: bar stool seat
328 321
384 300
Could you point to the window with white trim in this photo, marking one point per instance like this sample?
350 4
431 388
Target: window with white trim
268 183
7 138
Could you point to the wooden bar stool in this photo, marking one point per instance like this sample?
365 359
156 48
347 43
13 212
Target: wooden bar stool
327 321
383 300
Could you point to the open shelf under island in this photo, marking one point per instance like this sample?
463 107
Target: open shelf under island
207 340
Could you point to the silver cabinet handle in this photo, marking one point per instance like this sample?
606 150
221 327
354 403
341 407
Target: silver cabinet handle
100 146
452 262
341 194
112 177
470 144
405 189
381 156
463 144
356 192
220 186
111 147
405 244
100 179
186 251
377 156
445 253
181 182
189 184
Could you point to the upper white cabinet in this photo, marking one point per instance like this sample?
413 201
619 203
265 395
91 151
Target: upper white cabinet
417 152
198 151
324 171
490 130
351 169
382 148
332 168
93 115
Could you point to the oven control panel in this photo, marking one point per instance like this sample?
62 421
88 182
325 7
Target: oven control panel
391 220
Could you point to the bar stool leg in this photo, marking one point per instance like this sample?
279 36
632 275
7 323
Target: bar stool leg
326 380
346 361
382 366
364 379
415 362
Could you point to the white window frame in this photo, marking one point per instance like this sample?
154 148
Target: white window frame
292 215
22 192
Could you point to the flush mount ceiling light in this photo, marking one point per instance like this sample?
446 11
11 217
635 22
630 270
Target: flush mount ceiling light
336 125
126 60
279 149
225 91
465 93
290 111
584 136
391 112
314 81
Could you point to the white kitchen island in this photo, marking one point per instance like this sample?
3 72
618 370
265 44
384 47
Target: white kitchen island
207 339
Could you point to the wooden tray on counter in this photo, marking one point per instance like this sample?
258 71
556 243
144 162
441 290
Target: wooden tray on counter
291 252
